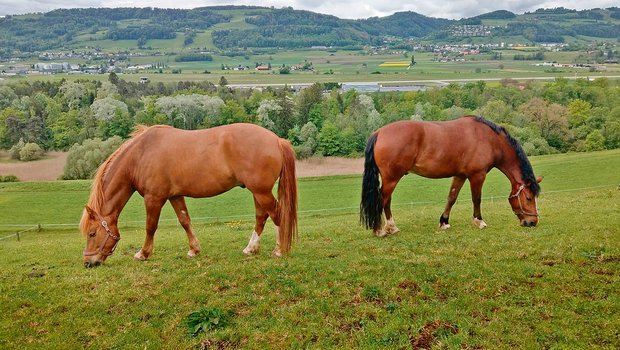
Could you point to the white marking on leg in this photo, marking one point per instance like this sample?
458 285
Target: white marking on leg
479 223
253 244
390 227
444 226
139 256
276 251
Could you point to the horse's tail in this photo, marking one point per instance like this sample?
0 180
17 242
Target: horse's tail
371 206
287 197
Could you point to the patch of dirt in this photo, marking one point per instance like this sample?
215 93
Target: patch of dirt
327 166
430 331
48 169
51 167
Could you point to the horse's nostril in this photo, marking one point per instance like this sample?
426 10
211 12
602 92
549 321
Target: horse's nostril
87 264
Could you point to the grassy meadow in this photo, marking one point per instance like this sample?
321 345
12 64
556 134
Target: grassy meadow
505 287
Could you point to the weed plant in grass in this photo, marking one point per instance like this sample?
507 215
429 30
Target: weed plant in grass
505 287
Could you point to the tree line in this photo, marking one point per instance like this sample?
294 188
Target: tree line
551 117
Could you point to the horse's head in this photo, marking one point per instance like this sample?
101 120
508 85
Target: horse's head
101 237
523 201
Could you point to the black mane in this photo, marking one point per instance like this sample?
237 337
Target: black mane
527 173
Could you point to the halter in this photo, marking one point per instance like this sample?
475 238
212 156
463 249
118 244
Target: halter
522 212
109 234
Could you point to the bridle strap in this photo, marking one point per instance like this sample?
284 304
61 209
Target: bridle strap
518 196
108 234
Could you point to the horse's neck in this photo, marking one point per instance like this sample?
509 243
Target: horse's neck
117 191
510 164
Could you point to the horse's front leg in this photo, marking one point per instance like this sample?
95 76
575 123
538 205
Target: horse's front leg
178 203
475 183
455 188
153 210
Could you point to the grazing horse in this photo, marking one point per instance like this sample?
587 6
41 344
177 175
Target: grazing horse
164 164
464 149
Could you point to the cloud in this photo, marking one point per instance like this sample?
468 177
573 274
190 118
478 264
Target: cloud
453 9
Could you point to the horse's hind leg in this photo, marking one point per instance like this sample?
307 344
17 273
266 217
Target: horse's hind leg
153 210
178 203
261 217
386 191
455 188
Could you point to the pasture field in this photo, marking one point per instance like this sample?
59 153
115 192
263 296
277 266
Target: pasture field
348 66
505 287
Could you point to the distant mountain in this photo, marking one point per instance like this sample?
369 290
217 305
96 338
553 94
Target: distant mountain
241 27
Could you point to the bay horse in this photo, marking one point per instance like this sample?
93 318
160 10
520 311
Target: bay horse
164 164
464 149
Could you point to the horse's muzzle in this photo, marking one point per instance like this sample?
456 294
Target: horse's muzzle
90 264
527 223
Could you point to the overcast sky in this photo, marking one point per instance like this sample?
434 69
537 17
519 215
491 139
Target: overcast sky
453 9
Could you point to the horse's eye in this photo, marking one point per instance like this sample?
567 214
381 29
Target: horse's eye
528 198
92 234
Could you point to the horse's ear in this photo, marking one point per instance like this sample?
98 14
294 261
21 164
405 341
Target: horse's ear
90 212
539 179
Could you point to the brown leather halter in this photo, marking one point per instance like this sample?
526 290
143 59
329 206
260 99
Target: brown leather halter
518 196
109 234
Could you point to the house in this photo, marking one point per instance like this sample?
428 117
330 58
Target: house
263 67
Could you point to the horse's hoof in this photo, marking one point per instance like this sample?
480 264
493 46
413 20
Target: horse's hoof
276 253
392 230
249 252
139 256
192 253
444 226
381 233
479 223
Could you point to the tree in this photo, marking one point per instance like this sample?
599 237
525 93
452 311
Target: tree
192 111
121 124
73 94
223 81
551 120
595 141
84 159
306 100
578 112
233 112
105 108
7 96
267 113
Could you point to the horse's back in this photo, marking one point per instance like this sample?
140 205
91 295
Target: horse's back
204 163
435 149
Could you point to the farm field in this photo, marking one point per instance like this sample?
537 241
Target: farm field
349 66
505 287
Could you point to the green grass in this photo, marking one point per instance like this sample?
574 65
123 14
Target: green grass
554 286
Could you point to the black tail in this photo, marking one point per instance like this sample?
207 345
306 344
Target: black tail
371 207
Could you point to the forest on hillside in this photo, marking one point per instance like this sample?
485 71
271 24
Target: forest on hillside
285 28
558 116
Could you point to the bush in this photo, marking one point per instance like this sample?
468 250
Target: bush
14 151
30 151
9 178
83 160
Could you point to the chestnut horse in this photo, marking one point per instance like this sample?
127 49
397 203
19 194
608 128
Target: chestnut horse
164 164
464 149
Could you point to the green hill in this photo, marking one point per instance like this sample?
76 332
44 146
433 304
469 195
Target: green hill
240 27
